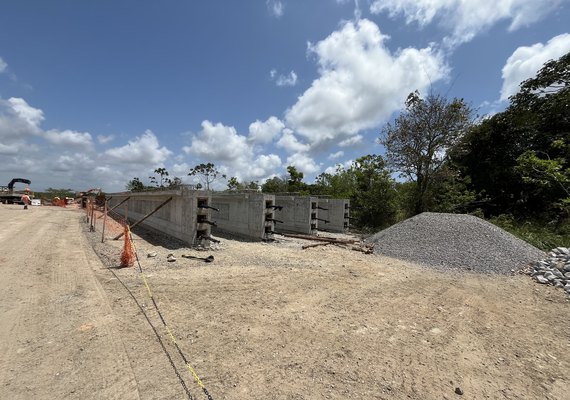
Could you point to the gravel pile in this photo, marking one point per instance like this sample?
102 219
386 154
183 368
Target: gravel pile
554 270
455 241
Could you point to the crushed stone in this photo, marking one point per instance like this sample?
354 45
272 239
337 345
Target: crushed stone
455 241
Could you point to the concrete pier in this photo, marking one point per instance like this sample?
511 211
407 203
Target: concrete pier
247 215
186 217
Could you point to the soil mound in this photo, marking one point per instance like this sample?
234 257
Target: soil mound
455 241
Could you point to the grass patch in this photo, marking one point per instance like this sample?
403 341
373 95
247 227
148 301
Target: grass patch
544 236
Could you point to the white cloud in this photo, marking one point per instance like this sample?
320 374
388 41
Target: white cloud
283 80
289 142
265 132
104 139
333 169
336 155
304 163
286 80
75 160
68 138
18 123
231 152
12 148
219 142
351 141
181 169
144 150
525 62
361 83
465 19
32 116
3 65
263 166
275 8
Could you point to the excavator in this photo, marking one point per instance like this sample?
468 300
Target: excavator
7 194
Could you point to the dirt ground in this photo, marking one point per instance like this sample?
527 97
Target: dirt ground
263 321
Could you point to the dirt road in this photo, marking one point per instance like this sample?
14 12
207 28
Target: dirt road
58 336
264 321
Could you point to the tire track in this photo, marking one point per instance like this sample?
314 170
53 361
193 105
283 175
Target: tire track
58 335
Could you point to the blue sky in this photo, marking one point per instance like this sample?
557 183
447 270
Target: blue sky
93 94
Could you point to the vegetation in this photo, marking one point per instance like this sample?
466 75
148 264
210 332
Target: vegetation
50 193
419 139
161 182
512 168
234 185
207 173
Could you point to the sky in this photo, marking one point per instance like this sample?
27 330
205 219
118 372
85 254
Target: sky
93 94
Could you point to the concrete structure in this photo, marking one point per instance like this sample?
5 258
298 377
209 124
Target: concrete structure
185 217
249 215
299 214
336 212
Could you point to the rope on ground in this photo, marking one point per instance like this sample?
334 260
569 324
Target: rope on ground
170 335
164 349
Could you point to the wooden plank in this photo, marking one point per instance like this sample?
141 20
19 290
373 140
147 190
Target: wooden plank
320 238
112 208
307 246
143 218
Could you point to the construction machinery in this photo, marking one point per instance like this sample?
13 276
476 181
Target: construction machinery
9 196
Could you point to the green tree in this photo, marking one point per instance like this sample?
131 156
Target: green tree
135 185
51 193
510 157
175 182
207 173
550 175
418 140
164 180
374 199
274 185
234 184
295 180
339 185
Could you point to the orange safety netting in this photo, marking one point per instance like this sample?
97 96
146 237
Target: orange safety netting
58 202
128 254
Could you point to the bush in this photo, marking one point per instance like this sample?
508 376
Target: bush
542 235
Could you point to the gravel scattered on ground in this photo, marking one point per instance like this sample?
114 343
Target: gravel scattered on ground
455 241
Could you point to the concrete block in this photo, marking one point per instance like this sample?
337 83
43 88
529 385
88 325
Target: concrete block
248 215
299 214
336 212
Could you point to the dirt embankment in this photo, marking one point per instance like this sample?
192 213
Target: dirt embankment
264 321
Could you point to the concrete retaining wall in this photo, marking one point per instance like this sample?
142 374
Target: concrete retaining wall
337 212
249 215
184 217
299 214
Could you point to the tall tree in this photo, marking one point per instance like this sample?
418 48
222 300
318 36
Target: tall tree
164 179
207 173
418 140
274 185
233 184
295 180
517 158
339 185
374 197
